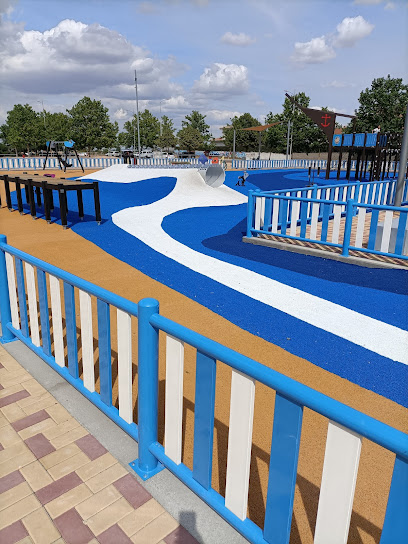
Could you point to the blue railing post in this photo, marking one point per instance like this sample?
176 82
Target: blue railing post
5 310
347 227
147 465
250 212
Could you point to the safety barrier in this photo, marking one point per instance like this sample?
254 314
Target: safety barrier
278 163
22 274
165 162
298 163
35 163
317 220
369 192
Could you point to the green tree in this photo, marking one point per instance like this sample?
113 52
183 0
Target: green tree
306 136
124 139
190 138
91 126
149 129
246 140
23 129
384 104
275 137
197 121
58 126
167 137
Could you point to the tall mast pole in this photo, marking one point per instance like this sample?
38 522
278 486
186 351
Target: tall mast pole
402 164
137 114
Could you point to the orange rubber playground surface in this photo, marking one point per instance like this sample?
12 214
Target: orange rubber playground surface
71 252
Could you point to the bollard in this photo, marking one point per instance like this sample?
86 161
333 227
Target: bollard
147 465
5 310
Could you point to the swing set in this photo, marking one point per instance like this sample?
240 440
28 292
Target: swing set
62 150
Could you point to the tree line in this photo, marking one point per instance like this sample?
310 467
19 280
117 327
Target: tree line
89 125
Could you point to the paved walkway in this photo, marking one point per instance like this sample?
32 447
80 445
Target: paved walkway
58 484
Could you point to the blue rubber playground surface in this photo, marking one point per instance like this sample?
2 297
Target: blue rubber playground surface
217 232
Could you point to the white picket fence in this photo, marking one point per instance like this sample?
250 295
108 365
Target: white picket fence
36 163
19 163
296 163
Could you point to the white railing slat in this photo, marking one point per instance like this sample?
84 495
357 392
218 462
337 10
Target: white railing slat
125 365
295 217
386 234
32 304
313 222
258 213
11 279
275 215
338 484
360 227
173 425
262 211
85 311
239 443
55 294
336 223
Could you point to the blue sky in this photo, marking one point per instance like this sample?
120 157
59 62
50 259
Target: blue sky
222 57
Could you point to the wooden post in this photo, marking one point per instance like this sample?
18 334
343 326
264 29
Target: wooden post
62 202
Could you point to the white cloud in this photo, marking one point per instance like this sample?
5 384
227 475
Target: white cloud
351 30
322 49
82 59
223 80
337 84
240 39
176 103
315 51
222 115
389 6
120 114
7 6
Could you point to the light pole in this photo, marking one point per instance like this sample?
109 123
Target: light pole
287 141
137 113
160 118
402 164
134 132
43 111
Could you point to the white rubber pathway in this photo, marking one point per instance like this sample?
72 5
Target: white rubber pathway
145 223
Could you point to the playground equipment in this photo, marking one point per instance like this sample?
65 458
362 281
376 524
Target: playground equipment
379 149
213 175
259 129
326 121
52 145
47 186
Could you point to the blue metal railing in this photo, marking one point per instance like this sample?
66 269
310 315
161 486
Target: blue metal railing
265 225
291 398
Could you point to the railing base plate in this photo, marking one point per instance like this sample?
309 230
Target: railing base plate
3 341
134 465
